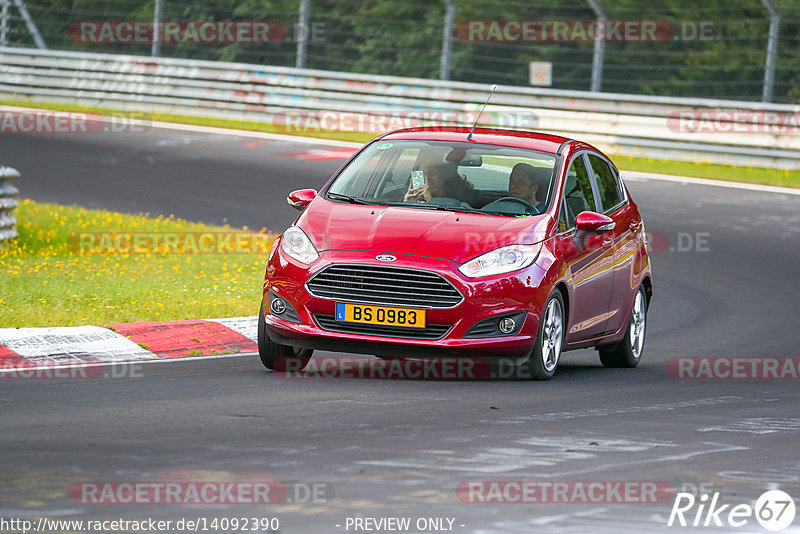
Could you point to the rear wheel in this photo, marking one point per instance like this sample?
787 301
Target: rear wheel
544 357
277 357
628 352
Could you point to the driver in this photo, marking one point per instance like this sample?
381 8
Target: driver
525 181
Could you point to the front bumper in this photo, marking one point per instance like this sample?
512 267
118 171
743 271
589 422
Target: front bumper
483 298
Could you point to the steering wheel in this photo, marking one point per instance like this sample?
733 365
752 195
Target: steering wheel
525 203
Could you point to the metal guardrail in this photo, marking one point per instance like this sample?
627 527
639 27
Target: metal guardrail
620 124
8 201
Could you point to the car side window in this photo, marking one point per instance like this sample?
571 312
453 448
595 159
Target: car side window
578 194
608 186
562 219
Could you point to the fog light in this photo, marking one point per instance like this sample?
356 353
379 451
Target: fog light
278 306
507 325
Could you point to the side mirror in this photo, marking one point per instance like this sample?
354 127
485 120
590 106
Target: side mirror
301 198
590 221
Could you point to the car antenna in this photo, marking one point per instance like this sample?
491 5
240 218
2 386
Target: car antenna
469 137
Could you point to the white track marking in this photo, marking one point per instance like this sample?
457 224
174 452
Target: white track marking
759 425
246 326
628 175
64 344
636 176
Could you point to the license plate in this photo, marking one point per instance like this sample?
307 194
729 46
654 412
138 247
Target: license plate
359 313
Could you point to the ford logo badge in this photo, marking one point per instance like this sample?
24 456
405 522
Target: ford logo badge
385 257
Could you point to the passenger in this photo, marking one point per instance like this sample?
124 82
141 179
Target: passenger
529 183
442 180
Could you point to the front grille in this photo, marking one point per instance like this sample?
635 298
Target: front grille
431 331
390 286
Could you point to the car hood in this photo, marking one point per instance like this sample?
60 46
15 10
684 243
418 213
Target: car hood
418 231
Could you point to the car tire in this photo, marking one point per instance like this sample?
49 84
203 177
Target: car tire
546 352
277 357
628 352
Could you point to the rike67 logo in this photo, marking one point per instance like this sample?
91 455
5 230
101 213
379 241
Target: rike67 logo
774 510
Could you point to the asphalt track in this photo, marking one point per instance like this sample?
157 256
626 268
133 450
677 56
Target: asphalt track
216 179
400 448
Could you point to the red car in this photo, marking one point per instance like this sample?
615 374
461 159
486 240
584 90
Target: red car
431 242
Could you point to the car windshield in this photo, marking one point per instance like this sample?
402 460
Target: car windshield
456 176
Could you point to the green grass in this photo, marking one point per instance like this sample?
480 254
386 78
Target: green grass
754 175
751 175
48 279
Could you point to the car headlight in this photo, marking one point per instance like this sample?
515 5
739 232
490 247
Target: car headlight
501 260
296 244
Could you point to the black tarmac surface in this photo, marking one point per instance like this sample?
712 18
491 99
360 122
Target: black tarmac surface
726 285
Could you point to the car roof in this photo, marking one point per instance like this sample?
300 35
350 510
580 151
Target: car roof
491 136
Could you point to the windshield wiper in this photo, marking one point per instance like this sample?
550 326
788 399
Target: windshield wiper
459 209
424 205
412 204
348 198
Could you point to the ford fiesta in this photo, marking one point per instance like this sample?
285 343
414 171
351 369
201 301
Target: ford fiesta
441 242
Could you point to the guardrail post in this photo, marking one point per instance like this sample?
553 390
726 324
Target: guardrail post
447 39
301 33
8 201
599 47
772 50
4 22
158 14
34 31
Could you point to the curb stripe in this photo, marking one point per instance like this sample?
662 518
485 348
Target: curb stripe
9 358
246 326
61 347
67 344
185 338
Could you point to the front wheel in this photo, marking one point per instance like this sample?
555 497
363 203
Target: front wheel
543 359
277 357
628 352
